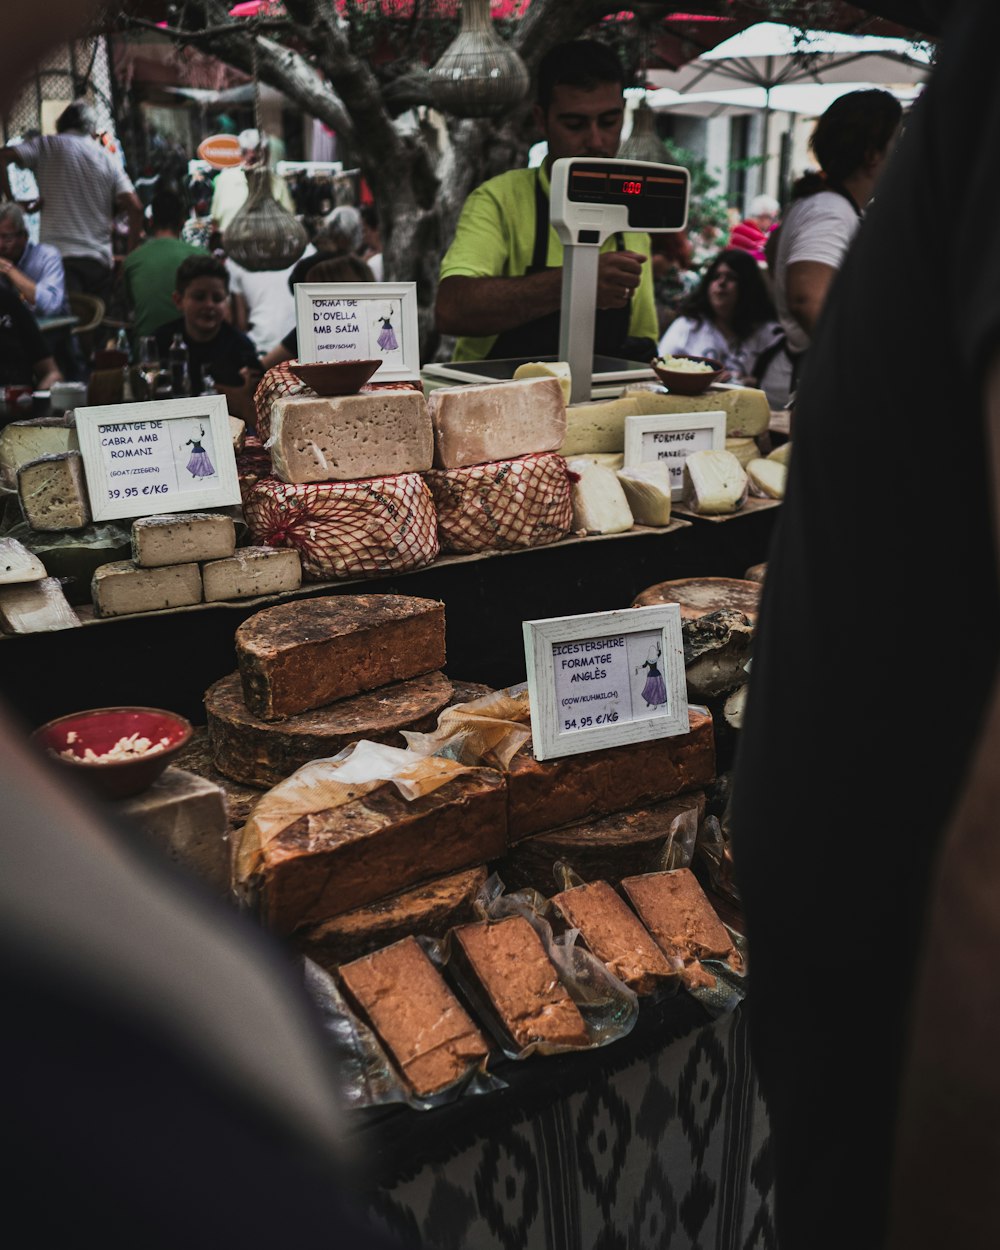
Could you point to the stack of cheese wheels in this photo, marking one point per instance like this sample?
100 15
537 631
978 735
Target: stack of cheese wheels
347 490
179 559
497 483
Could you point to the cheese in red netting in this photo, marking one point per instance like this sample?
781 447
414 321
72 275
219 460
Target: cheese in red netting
524 502
347 529
278 382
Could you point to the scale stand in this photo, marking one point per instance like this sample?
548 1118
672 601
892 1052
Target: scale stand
591 199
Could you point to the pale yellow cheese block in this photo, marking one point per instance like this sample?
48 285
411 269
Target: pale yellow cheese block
747 410
558 369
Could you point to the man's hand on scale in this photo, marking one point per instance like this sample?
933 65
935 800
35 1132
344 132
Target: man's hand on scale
618 275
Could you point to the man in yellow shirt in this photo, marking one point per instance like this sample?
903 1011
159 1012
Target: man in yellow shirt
500 287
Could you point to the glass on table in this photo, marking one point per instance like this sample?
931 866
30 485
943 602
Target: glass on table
149 363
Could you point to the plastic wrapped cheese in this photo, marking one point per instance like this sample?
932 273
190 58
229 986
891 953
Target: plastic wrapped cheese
523 502
647 488
714 483
347 529
599 502
767 478
782 454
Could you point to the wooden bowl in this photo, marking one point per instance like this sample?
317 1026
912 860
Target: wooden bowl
688 382
100 729
335 377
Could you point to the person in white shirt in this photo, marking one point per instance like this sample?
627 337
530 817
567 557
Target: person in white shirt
82 186
852 142
730 317
263 302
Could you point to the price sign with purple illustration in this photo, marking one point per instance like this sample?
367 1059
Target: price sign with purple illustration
360 321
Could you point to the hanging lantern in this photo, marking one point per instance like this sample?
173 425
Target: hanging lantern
643 144
263 235
478 75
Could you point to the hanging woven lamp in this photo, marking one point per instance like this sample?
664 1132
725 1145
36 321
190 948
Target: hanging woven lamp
478 75
643 144
264 235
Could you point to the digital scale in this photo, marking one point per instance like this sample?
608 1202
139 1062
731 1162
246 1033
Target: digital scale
591 199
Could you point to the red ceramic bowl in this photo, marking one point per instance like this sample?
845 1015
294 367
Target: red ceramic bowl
99 730
335 377
684 382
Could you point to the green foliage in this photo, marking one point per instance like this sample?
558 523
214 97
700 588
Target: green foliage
707 207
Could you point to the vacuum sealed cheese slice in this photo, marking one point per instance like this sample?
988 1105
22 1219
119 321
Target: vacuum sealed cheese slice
714 483
647 489
767 478
599 502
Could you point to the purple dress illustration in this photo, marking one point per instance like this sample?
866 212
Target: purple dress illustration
199 465
387 337
655 689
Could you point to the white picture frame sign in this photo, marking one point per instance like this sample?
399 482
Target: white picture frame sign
605 678
170 455
670 439
360 321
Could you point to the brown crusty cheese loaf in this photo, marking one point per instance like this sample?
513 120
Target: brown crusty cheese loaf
379 844
676 910
544 794
521 982
614 934
298 656
421 1023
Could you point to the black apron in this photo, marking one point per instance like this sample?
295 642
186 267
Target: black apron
540 336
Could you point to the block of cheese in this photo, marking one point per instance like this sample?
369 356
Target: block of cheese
508 503
18 564
545 794
429 1035
182 537
744 449
608 848
298 656
477 424
613 933
511 965
35 607
748 413
782 453
430 910
185 816
676 911
278 382
21 441
340 438
377 845
119 588
647 490
597 427
767 478
53 492
238 430
547 369
347 529
599 502
698 596
252 571
262 753
715 483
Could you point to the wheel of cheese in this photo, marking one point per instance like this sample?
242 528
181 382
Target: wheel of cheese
698 596
262 753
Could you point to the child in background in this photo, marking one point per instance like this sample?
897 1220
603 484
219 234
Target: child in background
215 348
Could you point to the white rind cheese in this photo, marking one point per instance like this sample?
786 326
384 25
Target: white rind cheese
119 588
767 478
480 424
22 441
35 607
182 537
18 564
558 369
599 502
341 438
647 489
252 571
53 492
714 483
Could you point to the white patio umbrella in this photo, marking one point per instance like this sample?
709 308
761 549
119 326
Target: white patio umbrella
809 99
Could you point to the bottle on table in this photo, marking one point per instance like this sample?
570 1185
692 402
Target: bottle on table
124 348
180 367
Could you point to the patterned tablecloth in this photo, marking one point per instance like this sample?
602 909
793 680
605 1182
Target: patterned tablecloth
660 1140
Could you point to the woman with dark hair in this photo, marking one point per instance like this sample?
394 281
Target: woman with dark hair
729 316
851 142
